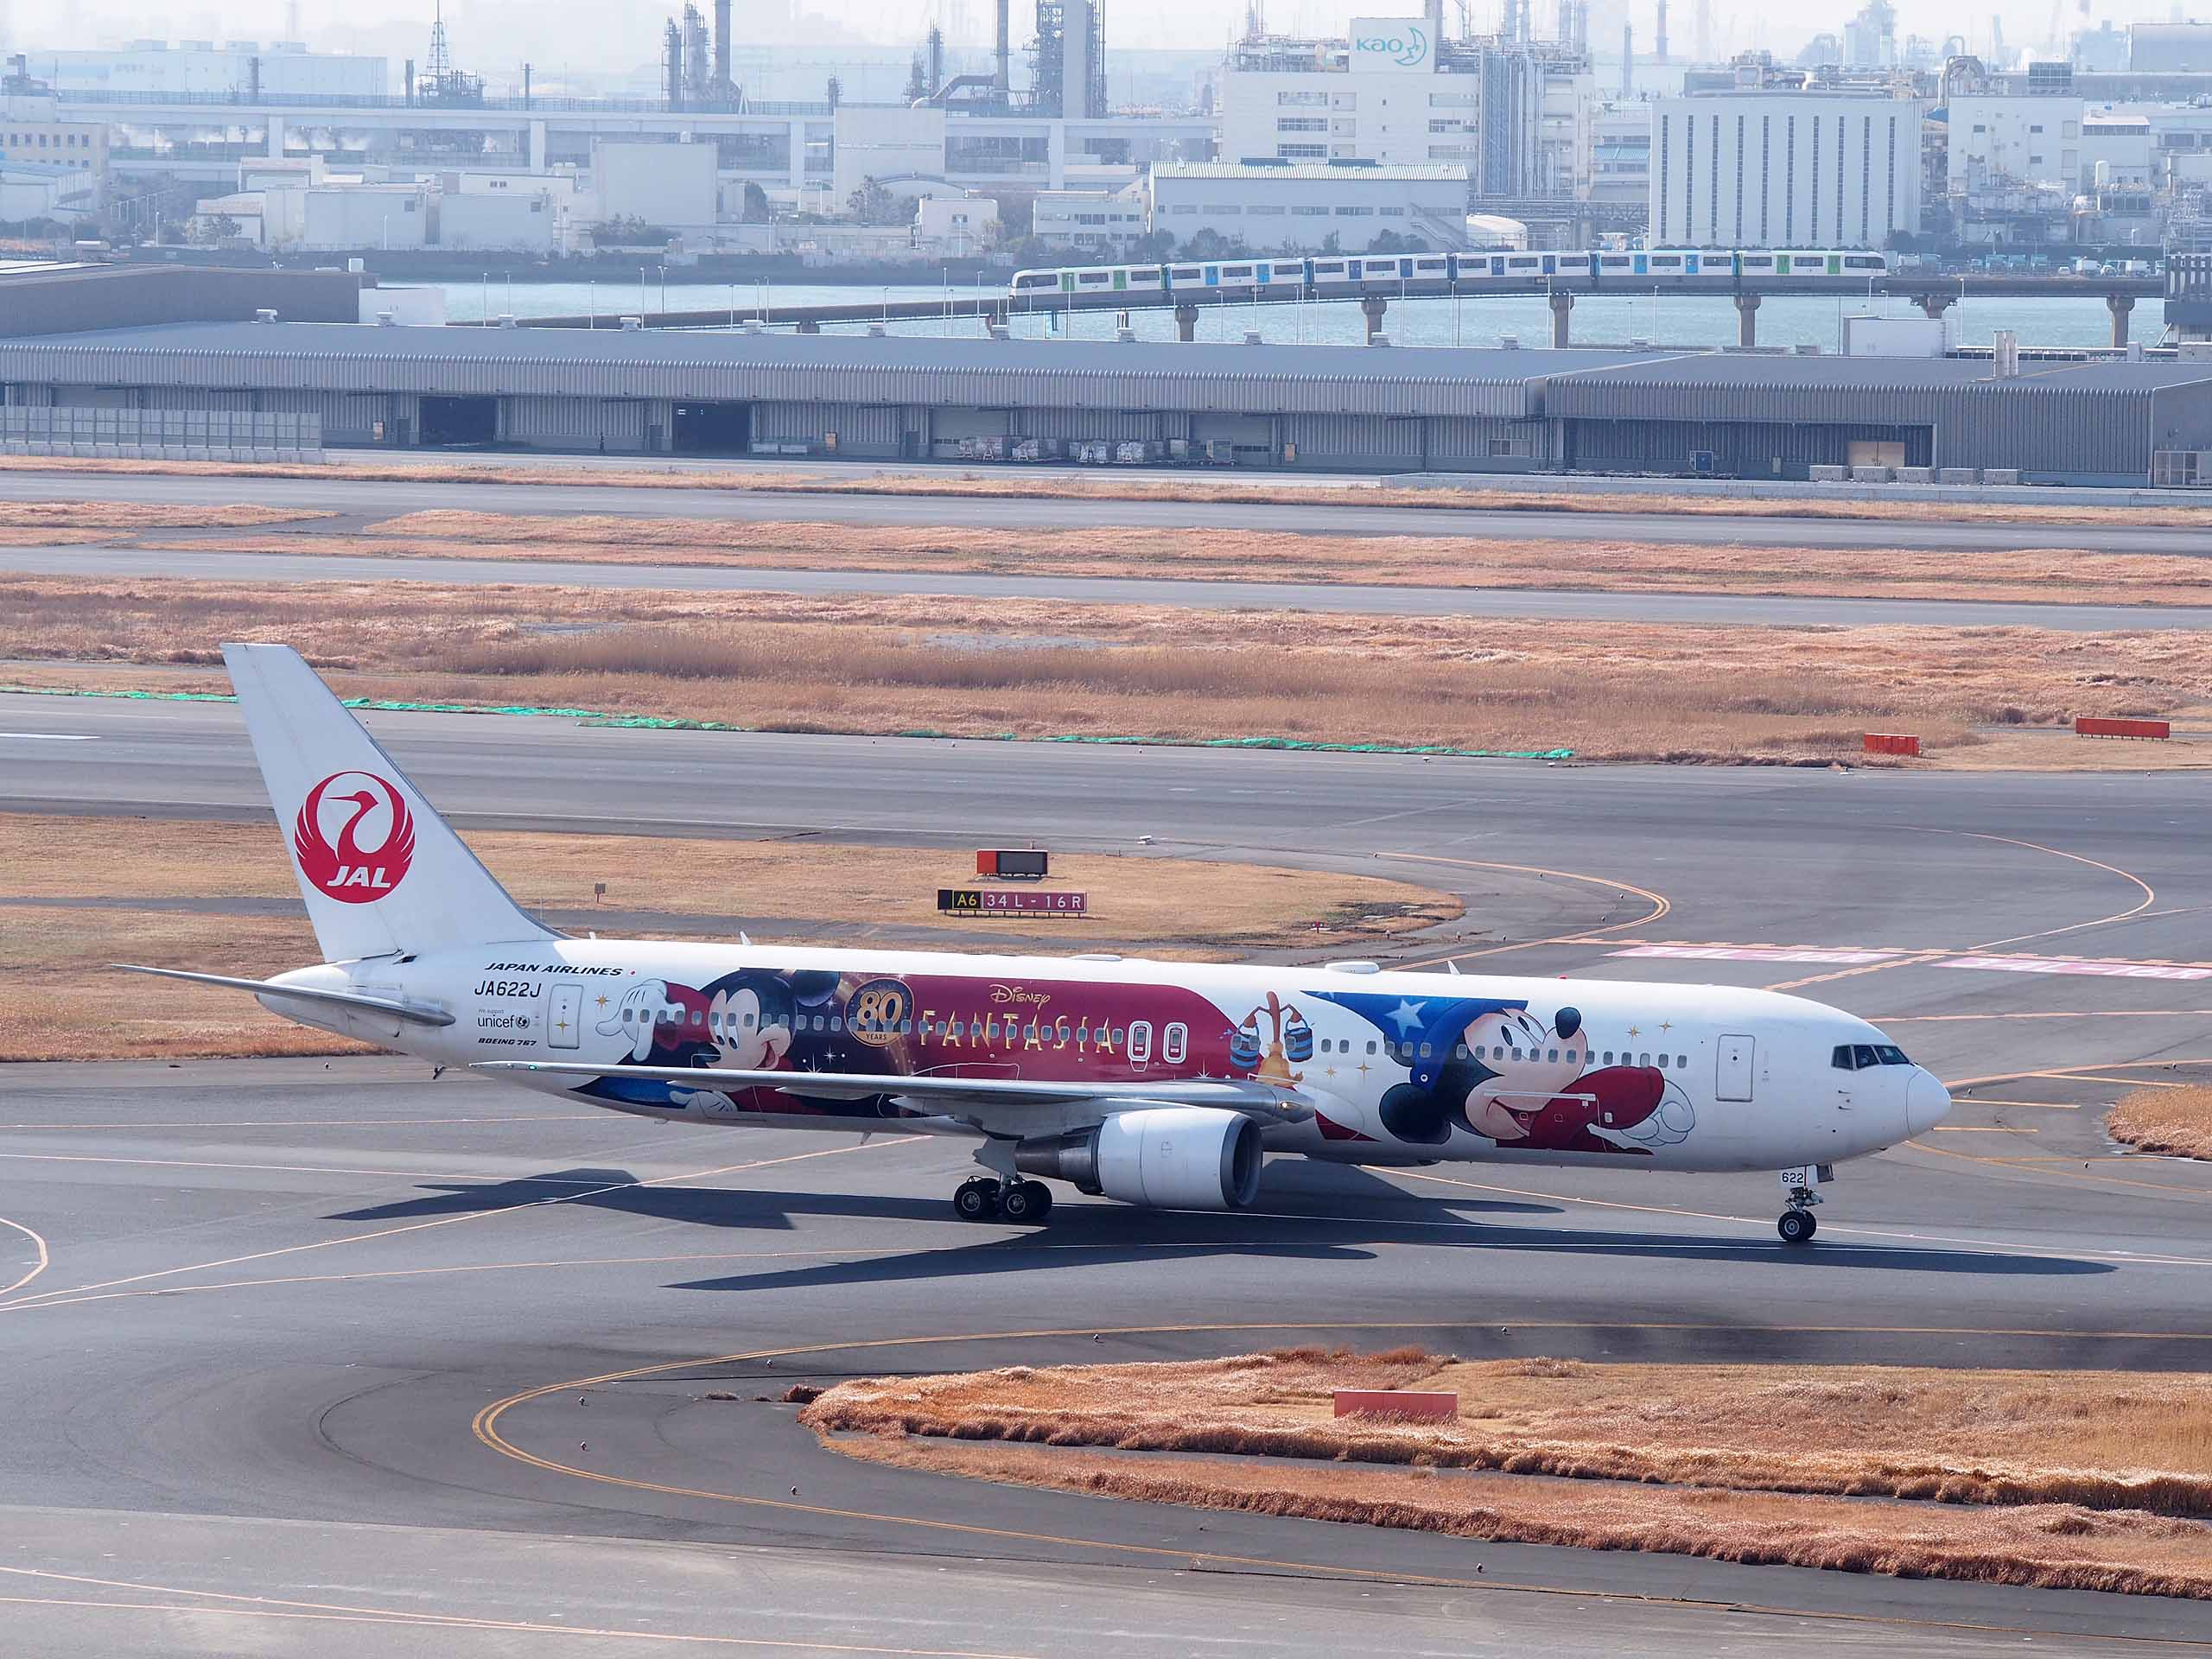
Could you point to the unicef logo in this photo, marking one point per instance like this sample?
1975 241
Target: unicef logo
1406 47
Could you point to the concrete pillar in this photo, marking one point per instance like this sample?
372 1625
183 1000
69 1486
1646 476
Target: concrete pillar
1935 305
1186 320
275 137
1562 308
1374 305
2120 305
1747 321
537 146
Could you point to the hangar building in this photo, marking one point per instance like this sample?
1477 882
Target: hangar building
1336 407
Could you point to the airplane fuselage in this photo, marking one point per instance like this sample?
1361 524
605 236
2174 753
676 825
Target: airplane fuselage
1378 1068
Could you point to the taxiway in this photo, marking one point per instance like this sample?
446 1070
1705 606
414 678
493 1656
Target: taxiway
328 1354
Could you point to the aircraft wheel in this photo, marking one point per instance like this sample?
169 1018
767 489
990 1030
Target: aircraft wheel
977 1199
1797 1226
1026 1201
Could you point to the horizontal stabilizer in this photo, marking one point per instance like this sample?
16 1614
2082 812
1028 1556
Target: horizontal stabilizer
1252 1099
414 1013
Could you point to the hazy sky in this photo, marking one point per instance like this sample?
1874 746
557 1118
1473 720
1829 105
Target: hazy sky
490 33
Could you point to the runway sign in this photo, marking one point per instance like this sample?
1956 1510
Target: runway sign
990 901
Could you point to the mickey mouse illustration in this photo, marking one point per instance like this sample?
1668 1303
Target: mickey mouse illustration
1494 1069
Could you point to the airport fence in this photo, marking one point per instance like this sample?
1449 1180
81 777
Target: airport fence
161 434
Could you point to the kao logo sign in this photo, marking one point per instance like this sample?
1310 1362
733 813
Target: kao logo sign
354 837
1390 43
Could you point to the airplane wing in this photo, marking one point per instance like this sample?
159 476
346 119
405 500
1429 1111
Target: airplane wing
414 1012
1254 1100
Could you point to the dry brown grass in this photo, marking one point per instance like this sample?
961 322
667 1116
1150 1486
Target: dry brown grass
2101 1440
1123 487
52 516
896 663
2045 575
2050 1546
2177 1121
66 1004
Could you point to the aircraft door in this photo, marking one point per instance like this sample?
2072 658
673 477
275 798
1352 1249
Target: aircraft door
564 1016
1737 1056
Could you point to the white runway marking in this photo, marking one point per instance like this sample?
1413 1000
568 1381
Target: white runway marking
2056 965
1757 953
54 737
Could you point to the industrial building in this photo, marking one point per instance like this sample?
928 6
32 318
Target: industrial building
1299 206
208 69
38 141
1103 221
1397 91
1783 167
1335 407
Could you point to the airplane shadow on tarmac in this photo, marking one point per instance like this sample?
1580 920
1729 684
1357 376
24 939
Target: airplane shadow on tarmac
1333 1214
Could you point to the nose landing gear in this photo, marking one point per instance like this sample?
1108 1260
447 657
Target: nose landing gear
1798 1222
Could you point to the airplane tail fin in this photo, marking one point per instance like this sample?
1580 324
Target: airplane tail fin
381 872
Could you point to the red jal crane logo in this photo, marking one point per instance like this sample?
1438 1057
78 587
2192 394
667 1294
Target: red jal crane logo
348 871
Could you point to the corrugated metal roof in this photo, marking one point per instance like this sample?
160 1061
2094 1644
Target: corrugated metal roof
1400 172
824 368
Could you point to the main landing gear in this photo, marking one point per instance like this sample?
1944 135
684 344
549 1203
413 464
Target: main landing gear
1798 1222
983 1197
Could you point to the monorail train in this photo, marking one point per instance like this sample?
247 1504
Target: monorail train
1639 268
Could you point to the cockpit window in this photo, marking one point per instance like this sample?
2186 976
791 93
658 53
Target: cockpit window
1856 1057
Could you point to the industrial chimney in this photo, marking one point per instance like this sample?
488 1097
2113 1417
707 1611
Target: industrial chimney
1433 11
999 78
725 86
1659 40
1628 60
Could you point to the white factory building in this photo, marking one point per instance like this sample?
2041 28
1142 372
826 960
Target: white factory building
1299 206
1391 91
1103 221
2075 144
1784 168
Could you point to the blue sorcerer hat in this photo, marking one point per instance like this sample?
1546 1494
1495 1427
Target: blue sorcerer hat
1435 1020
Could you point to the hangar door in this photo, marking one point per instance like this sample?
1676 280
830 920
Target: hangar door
712 428
450 422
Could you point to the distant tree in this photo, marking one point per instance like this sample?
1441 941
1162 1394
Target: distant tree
216 230
1208 243
874 205
1391 242
757 210
1152 247
1017 213
1330 244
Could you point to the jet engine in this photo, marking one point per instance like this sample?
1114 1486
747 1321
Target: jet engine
1168 1157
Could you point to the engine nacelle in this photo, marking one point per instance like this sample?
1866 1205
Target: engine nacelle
1167 1157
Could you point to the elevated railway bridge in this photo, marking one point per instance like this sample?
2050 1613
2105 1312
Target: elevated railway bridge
1934 292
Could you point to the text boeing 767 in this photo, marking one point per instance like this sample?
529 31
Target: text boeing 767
1154 1083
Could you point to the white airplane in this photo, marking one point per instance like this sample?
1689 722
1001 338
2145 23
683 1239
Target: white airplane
1154 1083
